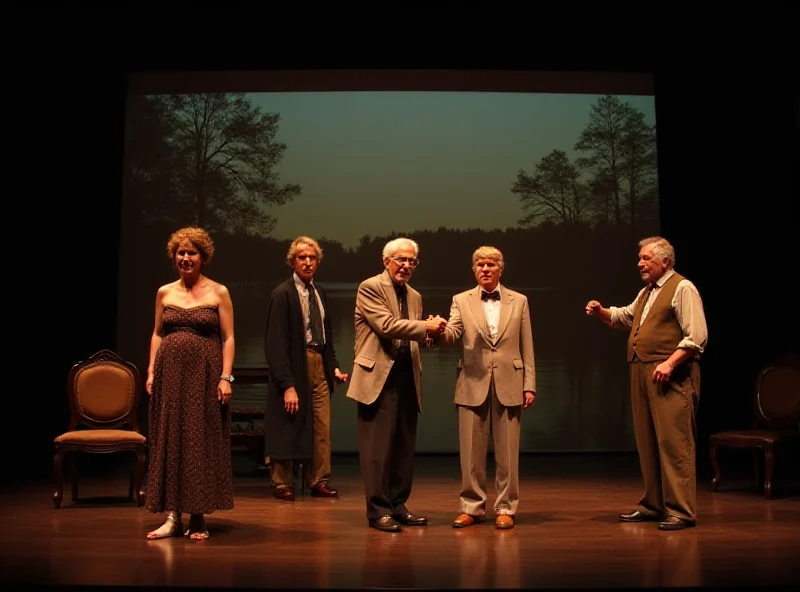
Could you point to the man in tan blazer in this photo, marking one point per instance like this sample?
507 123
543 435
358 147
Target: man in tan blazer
386 383
496 380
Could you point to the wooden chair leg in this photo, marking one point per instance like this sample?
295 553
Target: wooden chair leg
769 464
58 471
141 459
713 454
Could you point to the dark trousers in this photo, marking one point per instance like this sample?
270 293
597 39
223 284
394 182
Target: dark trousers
387 433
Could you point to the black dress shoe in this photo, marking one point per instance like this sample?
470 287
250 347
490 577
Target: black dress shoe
675 523
410 520
386 523
637 516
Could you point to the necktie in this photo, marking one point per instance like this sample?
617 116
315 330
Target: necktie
403 304
315 317
490 295
648 293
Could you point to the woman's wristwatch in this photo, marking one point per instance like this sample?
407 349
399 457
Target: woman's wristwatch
228 377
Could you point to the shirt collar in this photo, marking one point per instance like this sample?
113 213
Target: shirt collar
301 285
663 279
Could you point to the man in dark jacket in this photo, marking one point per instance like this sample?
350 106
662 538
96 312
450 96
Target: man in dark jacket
302 369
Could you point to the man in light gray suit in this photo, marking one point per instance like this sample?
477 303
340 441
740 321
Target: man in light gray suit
386 383
496 380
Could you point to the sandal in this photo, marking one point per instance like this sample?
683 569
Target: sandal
171 527
197 530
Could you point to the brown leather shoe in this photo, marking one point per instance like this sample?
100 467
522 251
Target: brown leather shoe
322 490
464 520
675 523
284 493
504 521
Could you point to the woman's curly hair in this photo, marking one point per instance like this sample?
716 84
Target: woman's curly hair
197 236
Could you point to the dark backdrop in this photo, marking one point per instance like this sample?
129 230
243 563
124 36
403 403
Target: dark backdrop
727 140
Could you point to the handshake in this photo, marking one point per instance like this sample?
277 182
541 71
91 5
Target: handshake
434 326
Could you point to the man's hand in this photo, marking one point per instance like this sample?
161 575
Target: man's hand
340 376
290 401
593 308
430 336
435 325
528 399
662 372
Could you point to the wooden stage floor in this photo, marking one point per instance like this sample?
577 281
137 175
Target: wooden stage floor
567 537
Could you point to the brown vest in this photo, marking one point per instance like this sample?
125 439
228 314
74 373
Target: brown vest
657 338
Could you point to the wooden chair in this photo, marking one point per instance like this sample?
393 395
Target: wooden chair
247 432
249 437
776 413
103 394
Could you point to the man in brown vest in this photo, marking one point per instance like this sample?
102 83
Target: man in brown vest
668 333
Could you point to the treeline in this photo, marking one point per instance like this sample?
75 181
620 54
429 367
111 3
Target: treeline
550 256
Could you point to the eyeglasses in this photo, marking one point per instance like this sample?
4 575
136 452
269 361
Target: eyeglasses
410 261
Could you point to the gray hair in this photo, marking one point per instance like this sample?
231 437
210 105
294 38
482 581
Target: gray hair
395 245
661 247
294 247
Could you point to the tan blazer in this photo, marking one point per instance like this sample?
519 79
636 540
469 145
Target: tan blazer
378 332
508 359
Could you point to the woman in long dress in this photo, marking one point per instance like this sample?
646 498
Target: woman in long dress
189 382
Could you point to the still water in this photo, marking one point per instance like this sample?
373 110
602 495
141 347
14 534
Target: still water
582 395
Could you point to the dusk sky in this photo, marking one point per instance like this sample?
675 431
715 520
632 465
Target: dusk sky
376 162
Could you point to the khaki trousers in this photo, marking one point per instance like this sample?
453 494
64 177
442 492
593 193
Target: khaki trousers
474 424
666 435
320 469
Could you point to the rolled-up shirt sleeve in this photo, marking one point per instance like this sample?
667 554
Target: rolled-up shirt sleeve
690 314
622 316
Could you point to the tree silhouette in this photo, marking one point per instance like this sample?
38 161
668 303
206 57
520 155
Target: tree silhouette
638 162
620 155
218 169
614 181
552 193
602 140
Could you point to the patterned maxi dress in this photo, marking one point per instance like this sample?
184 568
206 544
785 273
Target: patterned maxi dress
189 429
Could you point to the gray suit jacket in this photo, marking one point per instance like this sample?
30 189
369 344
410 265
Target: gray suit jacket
378 332
508 359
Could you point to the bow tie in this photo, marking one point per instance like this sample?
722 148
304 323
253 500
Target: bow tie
490 295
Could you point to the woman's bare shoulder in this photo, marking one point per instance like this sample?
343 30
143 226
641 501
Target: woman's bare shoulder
166 289
220 290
